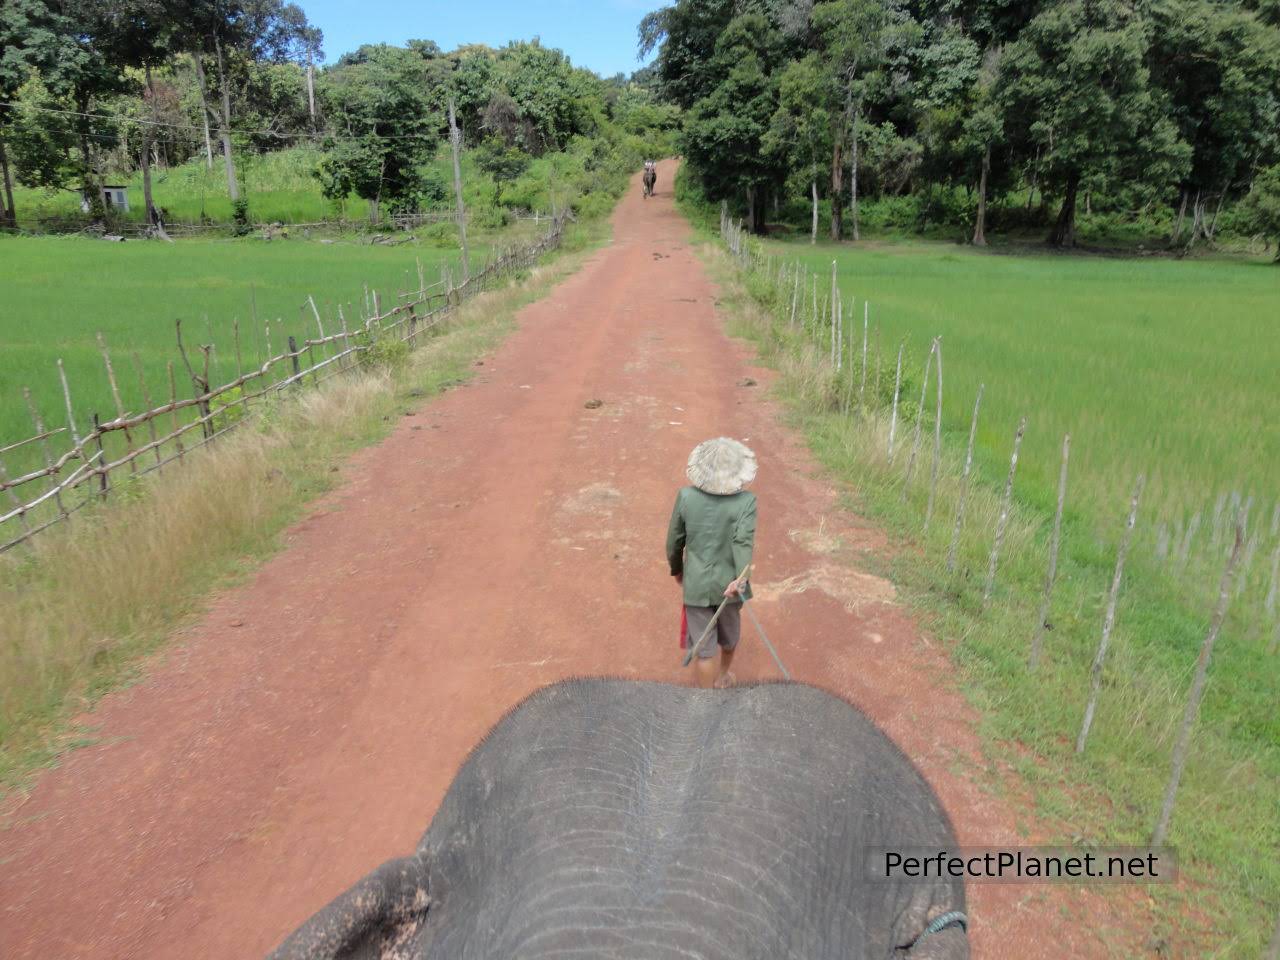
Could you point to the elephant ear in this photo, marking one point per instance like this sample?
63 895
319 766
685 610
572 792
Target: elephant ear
384 909
946 938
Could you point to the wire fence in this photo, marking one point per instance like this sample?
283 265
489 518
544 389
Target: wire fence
86 460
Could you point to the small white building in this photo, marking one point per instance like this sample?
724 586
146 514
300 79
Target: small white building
114 196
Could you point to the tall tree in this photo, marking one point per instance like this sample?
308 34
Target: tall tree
1076 87
799 134
1220 66
725 130
859 39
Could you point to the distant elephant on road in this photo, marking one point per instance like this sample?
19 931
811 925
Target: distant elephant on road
627 819
650 180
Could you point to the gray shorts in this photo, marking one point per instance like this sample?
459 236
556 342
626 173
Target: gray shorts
726 631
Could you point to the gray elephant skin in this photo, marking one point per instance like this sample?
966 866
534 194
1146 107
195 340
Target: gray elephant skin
624 819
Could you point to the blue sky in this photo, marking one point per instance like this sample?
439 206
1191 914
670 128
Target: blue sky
597 34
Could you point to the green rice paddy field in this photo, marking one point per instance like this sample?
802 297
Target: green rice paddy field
1154 365
60 292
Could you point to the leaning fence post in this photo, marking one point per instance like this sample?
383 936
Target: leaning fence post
101 470
115 395
964 483
915 441
862 389
146 398
1003 520
38 421
1042 621
897 389
1196 693
293 356
1095 671
173 409
937 443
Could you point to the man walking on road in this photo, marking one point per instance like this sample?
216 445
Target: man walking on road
709 544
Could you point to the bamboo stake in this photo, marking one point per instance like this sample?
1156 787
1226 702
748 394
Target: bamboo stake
866 320
915 441
173 400
937 443
964 483
1042 621
115 395
20 507
38 421
897 389
66 395
1095 671
795 296
146 398
1003 520
1189 715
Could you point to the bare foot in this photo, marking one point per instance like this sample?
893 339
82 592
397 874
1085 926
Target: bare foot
725 681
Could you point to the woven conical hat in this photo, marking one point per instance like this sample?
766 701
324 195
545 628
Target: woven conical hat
721 466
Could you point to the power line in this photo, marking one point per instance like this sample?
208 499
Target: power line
198 132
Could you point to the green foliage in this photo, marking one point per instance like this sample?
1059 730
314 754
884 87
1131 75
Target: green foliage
381 349
1262 206
241 223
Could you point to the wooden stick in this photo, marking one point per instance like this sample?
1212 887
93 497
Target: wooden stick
44 447
66 395
1095 671
1042 621
1003 520
19 507
964 483
915 442
1196 693
103 482
897 389
115 395
146 398
937 442
173 403
866 320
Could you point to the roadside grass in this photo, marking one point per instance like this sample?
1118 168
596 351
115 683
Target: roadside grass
60 292
90 599
1225 825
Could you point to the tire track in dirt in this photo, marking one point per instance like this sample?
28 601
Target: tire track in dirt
503 538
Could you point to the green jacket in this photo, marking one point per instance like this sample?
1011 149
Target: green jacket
710 540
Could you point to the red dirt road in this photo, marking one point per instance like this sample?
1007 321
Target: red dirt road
502 538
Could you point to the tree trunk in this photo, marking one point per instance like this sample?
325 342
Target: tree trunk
10 212
1213 224
1064 231
1182 213
837 190
980 224
311 90
148 208
1035 175
455 141
204 110
813 230
751 207
233 187
853 178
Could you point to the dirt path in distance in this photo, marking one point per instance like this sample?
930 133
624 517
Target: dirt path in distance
504 537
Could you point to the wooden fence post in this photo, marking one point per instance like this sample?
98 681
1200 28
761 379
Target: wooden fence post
1042 620
1095 671
38 422
101 469
1194 696
897 389
1003 520
937 443
146 398
915 441
964 483
173 399
115 395
293 356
